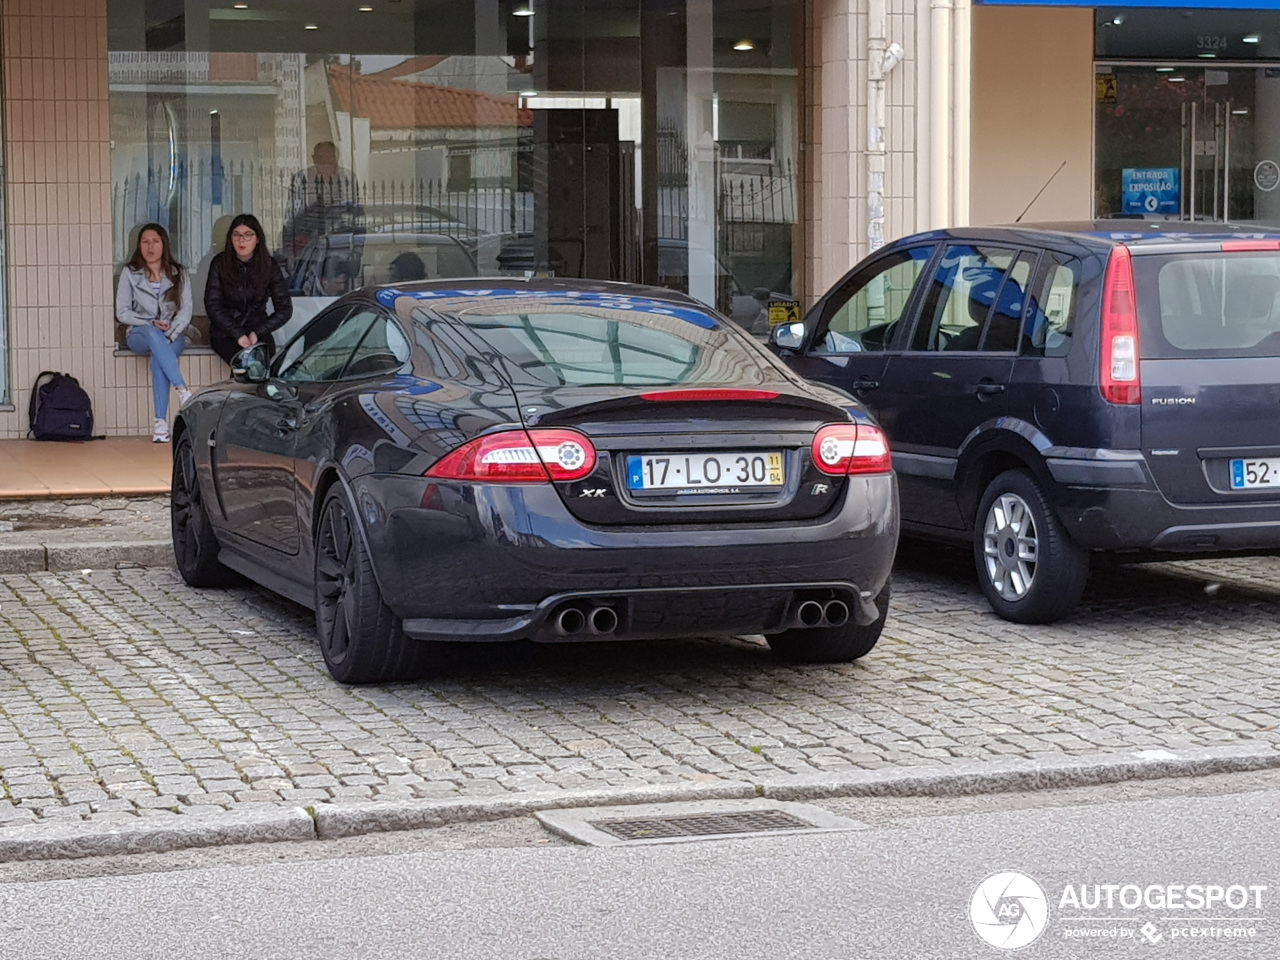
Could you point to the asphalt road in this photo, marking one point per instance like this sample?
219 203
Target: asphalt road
901 886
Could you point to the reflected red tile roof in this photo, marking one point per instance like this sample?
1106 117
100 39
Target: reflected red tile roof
402 105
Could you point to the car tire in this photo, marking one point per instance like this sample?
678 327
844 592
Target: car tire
842 644
195 546
1029 569
360 638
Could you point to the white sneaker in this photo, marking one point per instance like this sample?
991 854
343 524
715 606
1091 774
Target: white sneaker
160 432
184 396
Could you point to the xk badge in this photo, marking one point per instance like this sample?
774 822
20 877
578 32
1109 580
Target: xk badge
596 492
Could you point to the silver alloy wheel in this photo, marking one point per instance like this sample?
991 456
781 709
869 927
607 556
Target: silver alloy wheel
1010 546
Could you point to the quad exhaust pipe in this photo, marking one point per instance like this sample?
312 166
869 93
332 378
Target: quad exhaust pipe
816 613
597 621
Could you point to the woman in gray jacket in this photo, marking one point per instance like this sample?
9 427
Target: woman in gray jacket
154 302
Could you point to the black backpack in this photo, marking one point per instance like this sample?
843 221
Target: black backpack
60 409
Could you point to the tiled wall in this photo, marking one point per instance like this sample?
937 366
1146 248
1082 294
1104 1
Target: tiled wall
835 162
58 204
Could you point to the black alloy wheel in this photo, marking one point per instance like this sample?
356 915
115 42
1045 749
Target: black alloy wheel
360 637
195 546
1029 569
843 644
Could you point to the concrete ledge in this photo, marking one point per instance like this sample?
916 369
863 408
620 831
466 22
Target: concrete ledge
107 555
374 816
22 559
1011 776
154 834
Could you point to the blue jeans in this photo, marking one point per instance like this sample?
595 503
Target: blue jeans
146 338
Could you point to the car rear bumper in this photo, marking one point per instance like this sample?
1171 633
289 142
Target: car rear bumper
481 562
1134 515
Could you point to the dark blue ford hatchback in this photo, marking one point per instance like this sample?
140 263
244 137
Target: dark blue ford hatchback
1054 390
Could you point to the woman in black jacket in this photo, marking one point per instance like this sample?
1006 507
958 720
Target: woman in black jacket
242 278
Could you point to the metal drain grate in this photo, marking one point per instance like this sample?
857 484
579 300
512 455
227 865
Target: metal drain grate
700 825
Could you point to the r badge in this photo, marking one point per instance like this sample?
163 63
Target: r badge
818 489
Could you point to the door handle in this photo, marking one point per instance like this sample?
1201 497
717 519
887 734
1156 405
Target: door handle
988 388
864 385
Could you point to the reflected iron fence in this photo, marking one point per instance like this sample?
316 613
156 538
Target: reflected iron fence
195 203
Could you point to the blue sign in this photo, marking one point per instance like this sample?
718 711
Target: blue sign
1151 190
1175 4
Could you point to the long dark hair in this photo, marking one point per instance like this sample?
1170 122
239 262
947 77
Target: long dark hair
260 264
169 267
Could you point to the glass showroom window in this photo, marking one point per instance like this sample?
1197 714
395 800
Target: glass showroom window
4 294
636 140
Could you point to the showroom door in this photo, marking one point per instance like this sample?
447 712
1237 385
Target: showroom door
1188 142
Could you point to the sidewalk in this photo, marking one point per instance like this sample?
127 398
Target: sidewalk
72 506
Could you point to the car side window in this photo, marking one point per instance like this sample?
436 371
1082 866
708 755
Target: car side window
384 349
968 282
1052 310
874 301
1004 325
321 354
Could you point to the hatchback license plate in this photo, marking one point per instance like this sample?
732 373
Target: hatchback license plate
704 471
1263 472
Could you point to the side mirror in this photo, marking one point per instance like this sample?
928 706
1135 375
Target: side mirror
250 365
787 336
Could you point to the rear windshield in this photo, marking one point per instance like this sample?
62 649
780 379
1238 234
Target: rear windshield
559 341
1209 305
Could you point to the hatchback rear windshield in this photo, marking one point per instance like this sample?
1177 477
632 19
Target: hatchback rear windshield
639 342
1209 305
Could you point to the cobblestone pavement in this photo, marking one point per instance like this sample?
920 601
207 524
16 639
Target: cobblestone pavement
125 693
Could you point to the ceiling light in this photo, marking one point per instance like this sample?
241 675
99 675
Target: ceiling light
523 9
744 45
1118 19
1251 38
311 26
1207 56
1241 112
241 6
528 93
1164 69
1176 79
365 9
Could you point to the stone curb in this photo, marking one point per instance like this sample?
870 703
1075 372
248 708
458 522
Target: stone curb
1017 775
54 557
50 841
374 817
154 834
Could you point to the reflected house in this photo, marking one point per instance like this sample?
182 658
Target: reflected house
439 147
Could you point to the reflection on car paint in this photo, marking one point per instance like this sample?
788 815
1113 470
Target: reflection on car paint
369 402
611 301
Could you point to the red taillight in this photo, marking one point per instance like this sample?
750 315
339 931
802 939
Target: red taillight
517 456
851 449
1249 246
711 393
1118 368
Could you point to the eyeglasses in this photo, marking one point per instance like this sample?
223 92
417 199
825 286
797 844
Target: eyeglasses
241 235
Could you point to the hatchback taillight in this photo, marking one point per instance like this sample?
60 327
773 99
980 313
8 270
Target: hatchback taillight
851 449
1118 369
519 456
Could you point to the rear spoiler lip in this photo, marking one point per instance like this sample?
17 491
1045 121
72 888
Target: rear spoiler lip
567 415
